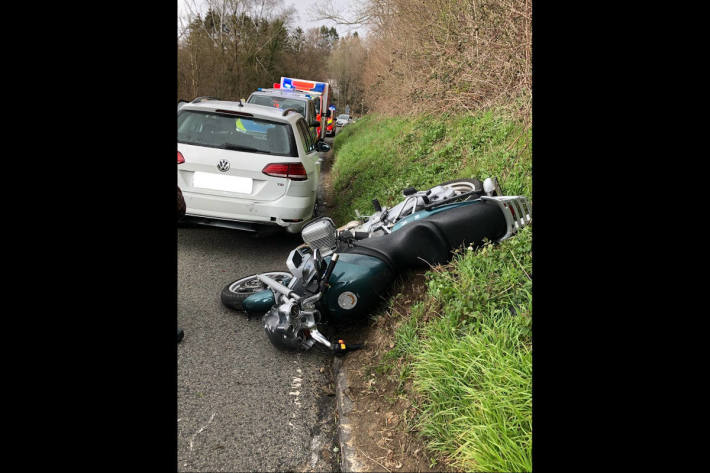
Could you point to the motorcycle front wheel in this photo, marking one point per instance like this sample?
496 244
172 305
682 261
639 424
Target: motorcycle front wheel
234 293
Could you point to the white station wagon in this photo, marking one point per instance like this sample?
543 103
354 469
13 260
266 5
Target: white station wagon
242 164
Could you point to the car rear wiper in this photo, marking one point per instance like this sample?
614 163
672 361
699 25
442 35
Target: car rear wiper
232 147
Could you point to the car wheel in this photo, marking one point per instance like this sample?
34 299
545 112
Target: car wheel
316 209
234 293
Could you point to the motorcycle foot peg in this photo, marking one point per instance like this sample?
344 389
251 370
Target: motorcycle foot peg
342 348
376 203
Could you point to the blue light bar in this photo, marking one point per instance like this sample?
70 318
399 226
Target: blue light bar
287 83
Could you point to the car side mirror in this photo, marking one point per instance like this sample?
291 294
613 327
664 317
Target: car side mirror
314 124
322 146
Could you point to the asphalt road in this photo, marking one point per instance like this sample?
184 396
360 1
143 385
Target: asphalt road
243 405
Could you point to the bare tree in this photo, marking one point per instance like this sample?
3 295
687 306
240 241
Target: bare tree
230 47
345 66
457 54
417 55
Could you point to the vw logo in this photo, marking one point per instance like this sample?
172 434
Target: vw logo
223 165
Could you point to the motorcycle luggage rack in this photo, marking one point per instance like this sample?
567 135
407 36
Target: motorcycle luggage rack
516 211
450 200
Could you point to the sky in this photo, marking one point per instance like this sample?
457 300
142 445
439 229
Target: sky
305 11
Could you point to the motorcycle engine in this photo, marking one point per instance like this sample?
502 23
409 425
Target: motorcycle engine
285 326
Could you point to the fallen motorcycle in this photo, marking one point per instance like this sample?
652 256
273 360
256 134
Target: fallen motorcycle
339 274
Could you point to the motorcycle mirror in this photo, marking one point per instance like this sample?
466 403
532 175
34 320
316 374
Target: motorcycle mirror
322 147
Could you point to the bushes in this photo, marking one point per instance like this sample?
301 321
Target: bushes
455 55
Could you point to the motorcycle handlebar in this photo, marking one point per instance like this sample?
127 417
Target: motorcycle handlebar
355 235
275 285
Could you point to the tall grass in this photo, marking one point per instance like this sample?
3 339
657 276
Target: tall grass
466 347
474 364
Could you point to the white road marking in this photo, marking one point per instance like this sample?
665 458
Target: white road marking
200 430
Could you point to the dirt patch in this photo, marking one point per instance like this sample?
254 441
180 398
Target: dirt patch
325 192
383 433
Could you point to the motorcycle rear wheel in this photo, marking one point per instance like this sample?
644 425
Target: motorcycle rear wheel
465 185
234 293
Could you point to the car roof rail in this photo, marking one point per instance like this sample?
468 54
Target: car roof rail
283 91
203 98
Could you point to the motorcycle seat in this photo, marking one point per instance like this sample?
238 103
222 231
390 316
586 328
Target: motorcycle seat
429 241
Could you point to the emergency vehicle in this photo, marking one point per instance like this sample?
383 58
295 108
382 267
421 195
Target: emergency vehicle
321 92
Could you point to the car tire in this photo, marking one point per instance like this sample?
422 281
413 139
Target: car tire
234 293
316 209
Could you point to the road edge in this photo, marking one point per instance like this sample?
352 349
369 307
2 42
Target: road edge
348 459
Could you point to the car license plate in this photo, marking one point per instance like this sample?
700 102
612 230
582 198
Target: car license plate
221 182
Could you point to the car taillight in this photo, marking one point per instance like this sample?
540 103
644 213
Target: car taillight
181 159
294 171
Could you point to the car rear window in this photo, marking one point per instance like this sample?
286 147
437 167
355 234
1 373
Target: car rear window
225 131
279 102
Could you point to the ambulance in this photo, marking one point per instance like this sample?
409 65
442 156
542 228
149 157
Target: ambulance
320 91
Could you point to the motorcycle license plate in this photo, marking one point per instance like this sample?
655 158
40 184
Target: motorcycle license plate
220 182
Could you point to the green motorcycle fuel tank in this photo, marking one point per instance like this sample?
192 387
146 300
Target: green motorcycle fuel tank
355 286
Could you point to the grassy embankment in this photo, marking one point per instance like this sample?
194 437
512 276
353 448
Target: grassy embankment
463 352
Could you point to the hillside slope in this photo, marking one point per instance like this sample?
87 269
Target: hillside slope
457 348
379 156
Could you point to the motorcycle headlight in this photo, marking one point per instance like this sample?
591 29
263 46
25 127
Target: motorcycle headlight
320 234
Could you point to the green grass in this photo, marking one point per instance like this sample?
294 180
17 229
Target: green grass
474 365
465 347
378 157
